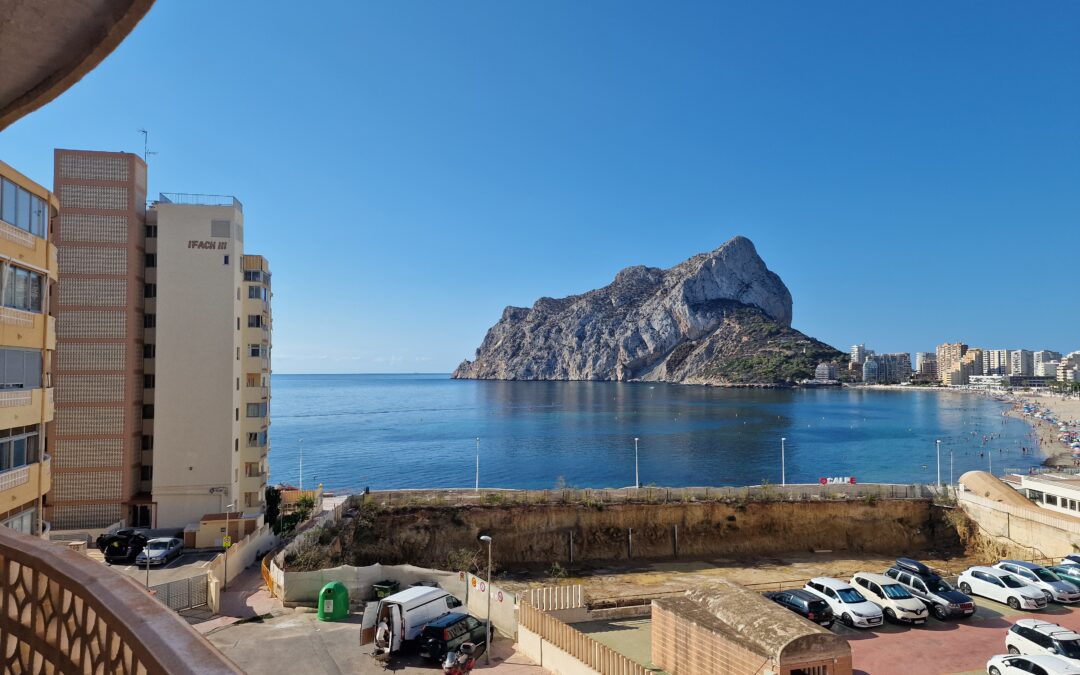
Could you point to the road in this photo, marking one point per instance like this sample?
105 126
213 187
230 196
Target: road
187 565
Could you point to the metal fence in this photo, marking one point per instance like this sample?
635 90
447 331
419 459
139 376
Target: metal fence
652 495
183 593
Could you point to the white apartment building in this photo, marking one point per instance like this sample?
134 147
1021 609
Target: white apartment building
1054 492
996 362
199 333
1021 362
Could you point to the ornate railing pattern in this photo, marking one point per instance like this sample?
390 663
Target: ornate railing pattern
13 398
61 612
16 317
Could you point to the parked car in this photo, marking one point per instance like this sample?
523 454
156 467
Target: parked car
1036 664
1072 560
895 601
121 546
448 632
407 612
1034 636
941 598
845 602
1052 586
997 584
1070 573
160 551
805 604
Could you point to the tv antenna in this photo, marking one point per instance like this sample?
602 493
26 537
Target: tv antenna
146 151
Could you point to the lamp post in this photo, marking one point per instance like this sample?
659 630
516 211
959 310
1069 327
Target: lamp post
783 467
477 488
637 476
225 579
487 636
939 463
950 467
301 442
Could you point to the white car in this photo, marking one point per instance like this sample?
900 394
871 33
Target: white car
1039 664
1054 587
846 603
990 582
1034 636
895 600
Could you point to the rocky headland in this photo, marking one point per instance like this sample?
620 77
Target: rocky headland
719 318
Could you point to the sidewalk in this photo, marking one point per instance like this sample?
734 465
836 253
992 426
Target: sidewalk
246 598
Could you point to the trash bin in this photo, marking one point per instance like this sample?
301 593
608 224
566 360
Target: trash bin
385 588
333 602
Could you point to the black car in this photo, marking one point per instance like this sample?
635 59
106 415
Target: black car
940 598
122 546
804 604
448 632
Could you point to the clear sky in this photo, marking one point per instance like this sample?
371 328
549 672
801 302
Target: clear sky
911 170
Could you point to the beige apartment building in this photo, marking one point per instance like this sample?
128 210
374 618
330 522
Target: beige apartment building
164 373
27 341
949 357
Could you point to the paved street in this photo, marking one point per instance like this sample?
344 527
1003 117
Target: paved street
298 642
187 565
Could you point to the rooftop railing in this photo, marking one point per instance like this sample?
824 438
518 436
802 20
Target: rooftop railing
66 613
199 200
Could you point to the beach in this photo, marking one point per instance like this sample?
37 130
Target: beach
1063 410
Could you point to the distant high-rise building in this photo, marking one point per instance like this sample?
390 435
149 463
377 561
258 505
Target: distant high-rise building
1021 362
1044 355
1047 368
949 356
996 362
971 364
870 370
858 353
826 371
894 368
926 365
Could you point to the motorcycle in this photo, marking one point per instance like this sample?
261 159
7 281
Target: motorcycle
462 661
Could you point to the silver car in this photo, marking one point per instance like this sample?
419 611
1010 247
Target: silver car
1054 587
160 551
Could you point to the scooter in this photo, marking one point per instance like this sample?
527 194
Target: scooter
462 661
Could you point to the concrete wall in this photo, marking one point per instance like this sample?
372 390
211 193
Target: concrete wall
549 657
1026 529
196 399
503 604
304 587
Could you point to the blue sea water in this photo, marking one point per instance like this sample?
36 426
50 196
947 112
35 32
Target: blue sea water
398 431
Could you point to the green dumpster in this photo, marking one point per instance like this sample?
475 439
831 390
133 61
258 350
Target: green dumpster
385 587
333 602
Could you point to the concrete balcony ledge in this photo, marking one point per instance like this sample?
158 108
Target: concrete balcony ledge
67 613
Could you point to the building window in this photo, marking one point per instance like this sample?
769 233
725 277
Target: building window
149 290
147 442
149 320
253 275
257 293
20 368
148 411
256 351
148 351
146 473
252 470
238 414
1051 499
151 231
236 444
256 439
255 321
23 522
148 381
151 260
23 210
18 448
226 260
256 410
22 289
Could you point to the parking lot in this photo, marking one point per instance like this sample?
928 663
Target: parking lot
187 565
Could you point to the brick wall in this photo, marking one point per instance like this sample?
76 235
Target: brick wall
682 647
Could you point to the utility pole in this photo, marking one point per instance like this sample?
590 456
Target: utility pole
301 463
477 488
637 476
783 461
938 463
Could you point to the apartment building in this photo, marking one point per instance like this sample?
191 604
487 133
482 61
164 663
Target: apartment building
949 357
996 362
96 438
158 422
926 365
971 365
1021 362
859 353
208 328
27 343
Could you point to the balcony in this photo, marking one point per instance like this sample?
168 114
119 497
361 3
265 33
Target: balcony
68 613
19 328
19 486
22 407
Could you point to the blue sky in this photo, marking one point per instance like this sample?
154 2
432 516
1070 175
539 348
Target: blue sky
910 170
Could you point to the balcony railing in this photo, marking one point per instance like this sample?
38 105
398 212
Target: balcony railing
67 613
13 478
13 398
16 317
21 237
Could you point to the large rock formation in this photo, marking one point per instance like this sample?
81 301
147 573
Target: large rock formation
718 318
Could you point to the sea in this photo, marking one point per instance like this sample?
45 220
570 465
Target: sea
427 430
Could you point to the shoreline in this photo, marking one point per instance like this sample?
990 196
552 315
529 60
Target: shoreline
1065 411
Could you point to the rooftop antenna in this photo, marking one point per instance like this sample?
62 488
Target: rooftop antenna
146 151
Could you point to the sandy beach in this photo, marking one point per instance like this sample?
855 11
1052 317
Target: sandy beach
1064 409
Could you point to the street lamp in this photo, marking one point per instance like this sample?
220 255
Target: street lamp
225 579
939 463
783 468
637 476
477 489
487 637
301 442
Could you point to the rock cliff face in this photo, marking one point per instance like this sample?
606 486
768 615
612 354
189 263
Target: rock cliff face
718 318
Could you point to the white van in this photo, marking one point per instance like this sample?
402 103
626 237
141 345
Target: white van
406 613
